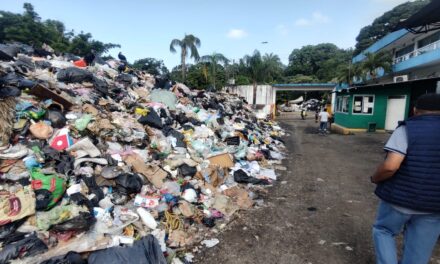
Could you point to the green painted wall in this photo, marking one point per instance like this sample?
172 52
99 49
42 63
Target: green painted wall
350 120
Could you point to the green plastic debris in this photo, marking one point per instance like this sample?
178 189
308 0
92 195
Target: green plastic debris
81 123
53 183
165 97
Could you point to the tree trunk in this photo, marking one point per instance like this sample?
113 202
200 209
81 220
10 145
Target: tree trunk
183 68
254 99
213 76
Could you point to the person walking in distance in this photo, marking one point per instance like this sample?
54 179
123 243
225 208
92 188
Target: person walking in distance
408 185
323 120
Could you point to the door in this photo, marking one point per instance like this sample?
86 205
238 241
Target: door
395 111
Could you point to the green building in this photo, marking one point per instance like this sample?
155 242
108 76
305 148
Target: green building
381 103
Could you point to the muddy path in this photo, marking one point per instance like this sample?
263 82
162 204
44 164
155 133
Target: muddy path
321 209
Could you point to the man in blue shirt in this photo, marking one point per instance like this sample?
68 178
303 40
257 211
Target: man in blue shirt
408 184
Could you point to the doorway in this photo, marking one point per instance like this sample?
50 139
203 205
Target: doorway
395 111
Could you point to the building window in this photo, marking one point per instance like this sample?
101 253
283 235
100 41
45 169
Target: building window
429 40
342 104
363 104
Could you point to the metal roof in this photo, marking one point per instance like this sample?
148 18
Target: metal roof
427 19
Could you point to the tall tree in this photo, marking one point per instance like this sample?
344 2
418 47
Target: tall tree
214 59
255 69
386 23
317 61
273 67
189 43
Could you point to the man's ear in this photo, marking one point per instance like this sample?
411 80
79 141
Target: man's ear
415 111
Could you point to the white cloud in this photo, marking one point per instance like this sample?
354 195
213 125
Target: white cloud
302 22
282 30
316 18
236 33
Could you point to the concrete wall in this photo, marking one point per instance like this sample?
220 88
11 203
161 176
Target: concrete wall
264 93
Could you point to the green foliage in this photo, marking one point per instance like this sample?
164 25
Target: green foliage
188 44
151 65
386 23
375 61
28 28
242 80
320 62
214 61
300 78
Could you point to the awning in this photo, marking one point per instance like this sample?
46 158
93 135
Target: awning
427 19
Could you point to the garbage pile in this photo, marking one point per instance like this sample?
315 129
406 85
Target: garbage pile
106 164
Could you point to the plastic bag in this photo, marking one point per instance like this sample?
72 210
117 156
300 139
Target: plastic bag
69 258
81 123
74 75
152 119
144 251
241 176
83 222
52 183
16 205
130 183
26 247
186 170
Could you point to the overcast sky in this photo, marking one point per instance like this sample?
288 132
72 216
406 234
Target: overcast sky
145 28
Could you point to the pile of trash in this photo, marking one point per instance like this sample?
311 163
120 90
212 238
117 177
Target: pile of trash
106 164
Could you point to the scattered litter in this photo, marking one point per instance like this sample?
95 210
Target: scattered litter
119 166
209 243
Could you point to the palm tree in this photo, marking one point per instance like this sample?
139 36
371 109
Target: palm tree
375 61
189 43
214 59
255 70
346 72
273 66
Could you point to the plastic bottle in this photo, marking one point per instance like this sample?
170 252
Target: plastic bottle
147 218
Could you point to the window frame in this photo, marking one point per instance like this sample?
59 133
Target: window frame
363 95
339 104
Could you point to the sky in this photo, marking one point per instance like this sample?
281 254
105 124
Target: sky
145 28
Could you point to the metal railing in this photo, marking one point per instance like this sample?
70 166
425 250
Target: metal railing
418 52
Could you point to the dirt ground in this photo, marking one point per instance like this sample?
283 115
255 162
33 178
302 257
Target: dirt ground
321 209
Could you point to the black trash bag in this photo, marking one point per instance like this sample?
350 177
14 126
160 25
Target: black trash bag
130 183
81 200
98 193
69 258
8 52
209 222
83 222
9 91
8 229
43 64
182 119
152 119
13 79
240 176
24 64
27 247
101 86
233 141
39 52
124 78
56 118
43 199
187 170
144 251
74 75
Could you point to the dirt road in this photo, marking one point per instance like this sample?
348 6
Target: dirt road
321 209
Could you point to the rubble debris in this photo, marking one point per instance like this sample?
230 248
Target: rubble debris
119 167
